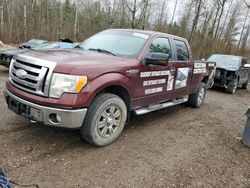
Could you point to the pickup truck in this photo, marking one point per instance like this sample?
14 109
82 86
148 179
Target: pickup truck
32 43
231 72
7 55
112 74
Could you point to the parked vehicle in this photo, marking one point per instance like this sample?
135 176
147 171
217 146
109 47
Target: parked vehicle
7 55
32 43
231 72
113 73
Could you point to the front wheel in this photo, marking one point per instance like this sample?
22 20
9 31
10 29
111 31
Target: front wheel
197 99
245 85
232 86
105 120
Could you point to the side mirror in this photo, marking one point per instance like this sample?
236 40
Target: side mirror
246 65
157 58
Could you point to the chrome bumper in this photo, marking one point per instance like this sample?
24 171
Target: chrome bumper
47 115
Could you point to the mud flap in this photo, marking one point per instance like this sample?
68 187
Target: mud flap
246 134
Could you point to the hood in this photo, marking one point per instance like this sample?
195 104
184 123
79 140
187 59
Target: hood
77 61
228 68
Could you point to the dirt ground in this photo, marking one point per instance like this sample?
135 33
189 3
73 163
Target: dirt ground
175 147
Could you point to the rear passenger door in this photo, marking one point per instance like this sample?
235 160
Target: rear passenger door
180 69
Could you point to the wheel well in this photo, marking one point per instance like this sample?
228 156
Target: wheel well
205 80
119 91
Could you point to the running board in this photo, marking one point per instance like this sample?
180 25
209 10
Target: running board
160 106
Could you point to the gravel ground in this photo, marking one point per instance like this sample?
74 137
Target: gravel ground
175 147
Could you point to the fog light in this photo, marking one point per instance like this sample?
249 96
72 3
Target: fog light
58 117
55 118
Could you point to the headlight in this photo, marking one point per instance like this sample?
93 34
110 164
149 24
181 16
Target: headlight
8 59
63 83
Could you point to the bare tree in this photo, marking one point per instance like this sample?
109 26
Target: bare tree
1 15
209 28
217 4
222 7
75 25
173 16
25 20
226 18
244 25
133 8
196 19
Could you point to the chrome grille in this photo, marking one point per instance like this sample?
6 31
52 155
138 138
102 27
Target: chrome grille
37 74
217 73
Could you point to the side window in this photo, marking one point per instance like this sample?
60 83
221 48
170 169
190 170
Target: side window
161 45
244 61
182 50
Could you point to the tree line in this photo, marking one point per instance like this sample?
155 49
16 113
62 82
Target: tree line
211 26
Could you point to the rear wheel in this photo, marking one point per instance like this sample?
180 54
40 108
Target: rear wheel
197 99
232 86
105 120
245 85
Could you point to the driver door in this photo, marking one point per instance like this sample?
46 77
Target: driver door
154 79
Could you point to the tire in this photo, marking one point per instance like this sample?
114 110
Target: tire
105 120
197 99
232 86
245 85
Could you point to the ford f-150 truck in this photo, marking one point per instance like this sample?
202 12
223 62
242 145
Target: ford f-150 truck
113 73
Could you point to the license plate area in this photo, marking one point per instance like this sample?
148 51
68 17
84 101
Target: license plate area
24 110
18 108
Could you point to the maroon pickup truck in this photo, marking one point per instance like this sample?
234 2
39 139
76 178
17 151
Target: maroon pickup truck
96 86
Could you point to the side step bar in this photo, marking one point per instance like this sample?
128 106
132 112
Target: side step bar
148 109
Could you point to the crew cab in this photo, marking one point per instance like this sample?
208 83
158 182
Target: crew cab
109 76
231 72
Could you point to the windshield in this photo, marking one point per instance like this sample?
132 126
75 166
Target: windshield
120 43
226 61
47 46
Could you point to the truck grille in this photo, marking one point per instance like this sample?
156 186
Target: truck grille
32 76
217 73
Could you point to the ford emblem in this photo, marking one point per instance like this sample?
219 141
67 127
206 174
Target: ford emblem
20 73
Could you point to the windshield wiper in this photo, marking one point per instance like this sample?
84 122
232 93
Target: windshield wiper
79 47
102 51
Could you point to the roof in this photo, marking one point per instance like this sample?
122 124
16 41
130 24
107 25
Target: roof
230 55
147 32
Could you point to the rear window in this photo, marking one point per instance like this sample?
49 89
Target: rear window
244 61
182 50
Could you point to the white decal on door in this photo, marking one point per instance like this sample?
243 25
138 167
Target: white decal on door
154 82
181 78
154 74
153 90
170 84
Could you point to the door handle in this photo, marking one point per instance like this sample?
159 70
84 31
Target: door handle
172 70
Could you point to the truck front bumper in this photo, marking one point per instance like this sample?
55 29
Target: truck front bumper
49 116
